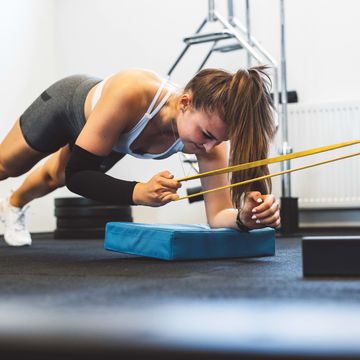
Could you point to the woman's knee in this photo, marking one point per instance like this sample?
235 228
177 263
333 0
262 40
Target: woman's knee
55 179
53 171
6 171
3 173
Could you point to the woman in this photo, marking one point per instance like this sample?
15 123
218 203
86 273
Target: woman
87 125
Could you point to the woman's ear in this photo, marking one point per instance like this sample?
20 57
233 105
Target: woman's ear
184 102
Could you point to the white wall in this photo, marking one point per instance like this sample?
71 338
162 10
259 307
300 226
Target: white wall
26 67
46 39
322 46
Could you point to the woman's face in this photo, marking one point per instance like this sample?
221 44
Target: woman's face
200 131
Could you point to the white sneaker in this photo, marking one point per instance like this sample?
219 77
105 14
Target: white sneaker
15 233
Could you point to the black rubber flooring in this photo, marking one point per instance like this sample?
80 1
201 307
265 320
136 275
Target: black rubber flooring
80 272
79 276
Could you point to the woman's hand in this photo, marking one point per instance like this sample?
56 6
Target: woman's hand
260 211
158 191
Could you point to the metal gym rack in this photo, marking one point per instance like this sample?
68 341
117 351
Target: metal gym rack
232 28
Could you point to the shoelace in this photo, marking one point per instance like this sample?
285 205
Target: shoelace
20 223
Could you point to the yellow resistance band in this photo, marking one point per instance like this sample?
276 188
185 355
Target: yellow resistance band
273 160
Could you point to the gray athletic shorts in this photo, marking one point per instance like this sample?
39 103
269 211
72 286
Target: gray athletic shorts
56 117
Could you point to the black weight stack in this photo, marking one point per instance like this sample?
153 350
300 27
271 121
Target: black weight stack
80 218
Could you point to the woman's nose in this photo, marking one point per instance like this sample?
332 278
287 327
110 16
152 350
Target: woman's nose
209 145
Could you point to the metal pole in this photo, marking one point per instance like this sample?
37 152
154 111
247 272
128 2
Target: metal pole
275 86
269 58
286 181
240 27
211 15
247 5
207 56
185 49
230 11
240 38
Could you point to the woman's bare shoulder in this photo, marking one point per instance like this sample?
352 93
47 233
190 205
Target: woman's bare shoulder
138 78
136 84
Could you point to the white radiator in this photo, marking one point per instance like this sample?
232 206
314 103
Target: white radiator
334 185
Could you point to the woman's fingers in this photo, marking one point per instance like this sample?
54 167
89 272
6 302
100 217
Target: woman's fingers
166 180
267 213
274 207
265 204
169 184
268 220
168 198
275 224
167 187
255 196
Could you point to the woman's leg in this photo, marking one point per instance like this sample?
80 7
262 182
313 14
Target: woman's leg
16 156
43 180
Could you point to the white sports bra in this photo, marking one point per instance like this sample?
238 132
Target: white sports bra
124 143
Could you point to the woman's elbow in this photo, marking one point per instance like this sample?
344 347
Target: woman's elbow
225 218
214 222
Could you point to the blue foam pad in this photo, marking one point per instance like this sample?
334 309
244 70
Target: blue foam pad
181 242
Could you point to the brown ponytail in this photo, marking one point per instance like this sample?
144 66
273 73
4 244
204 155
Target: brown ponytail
243 101
251 127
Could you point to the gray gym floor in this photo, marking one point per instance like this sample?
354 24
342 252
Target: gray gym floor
75 296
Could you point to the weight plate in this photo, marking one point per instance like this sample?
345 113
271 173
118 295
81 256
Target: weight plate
94 211
80 201
76 201
79 234
74 223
